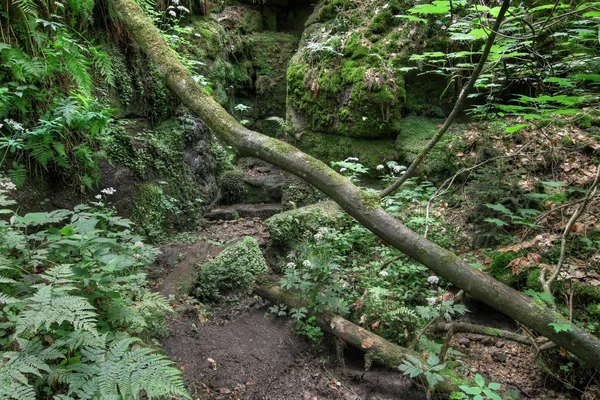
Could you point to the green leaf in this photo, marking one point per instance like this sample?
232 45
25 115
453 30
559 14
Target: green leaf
479 380
494 385
496 221
412 18
561 327
500 208
516 128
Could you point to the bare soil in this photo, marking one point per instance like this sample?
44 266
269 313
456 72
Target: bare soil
240 351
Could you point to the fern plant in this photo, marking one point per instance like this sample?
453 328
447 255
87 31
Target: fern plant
74 306
46 84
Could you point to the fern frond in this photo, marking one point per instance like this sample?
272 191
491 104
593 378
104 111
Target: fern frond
78 69
18 175
103 64
279 120
6 299
140 369
27 7
47 307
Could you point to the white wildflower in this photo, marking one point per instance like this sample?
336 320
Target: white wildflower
138 244
108 191
290 265
7 185
380 167
182 8
351 159
318 236
172 13
14 124
175 2
433 280
384 273
431 301
343 169
306 263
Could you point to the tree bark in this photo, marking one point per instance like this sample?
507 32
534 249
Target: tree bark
363 206
376 348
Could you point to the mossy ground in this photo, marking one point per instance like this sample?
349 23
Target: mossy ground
370 152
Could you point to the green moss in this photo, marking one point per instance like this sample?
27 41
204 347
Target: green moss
232 186
371 199
172 197
298 193
287 228
498 270
234 270
370 152
381 22
414 135
533 280
354 47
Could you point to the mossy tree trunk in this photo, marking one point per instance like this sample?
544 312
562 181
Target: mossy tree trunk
359 204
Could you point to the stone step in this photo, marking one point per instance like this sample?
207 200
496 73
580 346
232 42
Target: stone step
235 211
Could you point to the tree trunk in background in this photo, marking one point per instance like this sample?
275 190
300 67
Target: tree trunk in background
361 205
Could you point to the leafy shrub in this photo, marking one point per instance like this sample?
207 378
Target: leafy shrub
73 298
235 269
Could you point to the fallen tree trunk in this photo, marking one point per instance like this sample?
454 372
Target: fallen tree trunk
361 205
463 327
376 348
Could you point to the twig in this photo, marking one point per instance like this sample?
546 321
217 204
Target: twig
563 246
425 328
447 339
458 106
391 260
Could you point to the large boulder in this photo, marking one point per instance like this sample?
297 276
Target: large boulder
347 77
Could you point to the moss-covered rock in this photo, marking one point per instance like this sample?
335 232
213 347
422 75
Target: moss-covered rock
174 173
299 193
233 189
347 77
288 227
234 270
498 270
370 152
415 133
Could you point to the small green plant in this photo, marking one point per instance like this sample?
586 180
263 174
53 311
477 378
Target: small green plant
413 367
310 329
479 392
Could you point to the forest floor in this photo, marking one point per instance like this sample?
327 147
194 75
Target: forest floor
240 351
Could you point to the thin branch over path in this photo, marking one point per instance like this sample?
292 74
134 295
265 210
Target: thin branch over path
361 205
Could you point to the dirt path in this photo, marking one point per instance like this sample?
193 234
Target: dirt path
232 351
240 354
237 353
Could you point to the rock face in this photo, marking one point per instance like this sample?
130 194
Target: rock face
347 79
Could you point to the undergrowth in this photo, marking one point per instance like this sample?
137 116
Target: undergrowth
75 308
